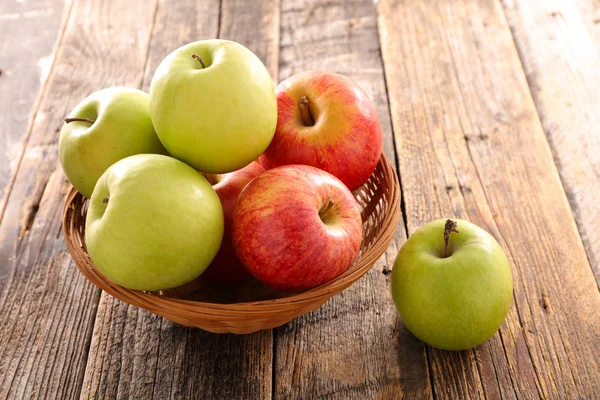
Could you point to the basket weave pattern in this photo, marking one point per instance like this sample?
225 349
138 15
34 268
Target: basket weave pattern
379 200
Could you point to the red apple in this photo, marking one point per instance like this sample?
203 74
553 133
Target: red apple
226 266
296 227
327 121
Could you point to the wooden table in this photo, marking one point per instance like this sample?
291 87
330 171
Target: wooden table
491 109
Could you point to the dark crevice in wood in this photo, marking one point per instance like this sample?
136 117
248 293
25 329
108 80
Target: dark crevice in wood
273 363
496 369
396 156
56 332
32 211
105 356
530 85
88 338
124 320
545 301
512 380
150 36
568 362
157 356
477 362
28 218
430 371
220 19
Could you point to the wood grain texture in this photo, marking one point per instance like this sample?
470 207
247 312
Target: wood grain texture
47 307
256 26
559 45
471 145
352 347
135 354
29 32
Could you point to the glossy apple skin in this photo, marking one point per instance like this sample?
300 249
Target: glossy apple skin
346 137
161 227
279 235
217 119
457 302
227 267
122 128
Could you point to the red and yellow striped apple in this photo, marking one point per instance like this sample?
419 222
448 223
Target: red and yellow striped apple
325 120
226 266
296 227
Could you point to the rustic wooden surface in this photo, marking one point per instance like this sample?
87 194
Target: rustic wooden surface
29 32
558 42
490 109
470 144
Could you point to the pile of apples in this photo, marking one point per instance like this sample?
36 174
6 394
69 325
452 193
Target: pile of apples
215 173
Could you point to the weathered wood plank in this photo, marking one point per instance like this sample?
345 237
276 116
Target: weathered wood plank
470 144
47 314
256 26
29 32
352 347
135 354
47 306
559 45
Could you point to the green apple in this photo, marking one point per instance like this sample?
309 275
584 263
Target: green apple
452 284
213 105
107 126
153 223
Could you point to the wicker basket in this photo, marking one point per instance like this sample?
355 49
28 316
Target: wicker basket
248 307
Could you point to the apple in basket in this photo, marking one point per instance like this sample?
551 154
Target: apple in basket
153 223
296 227
105 127
213 105
227 267
327 121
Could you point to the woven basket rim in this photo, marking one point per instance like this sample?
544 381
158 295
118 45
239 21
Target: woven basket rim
209 309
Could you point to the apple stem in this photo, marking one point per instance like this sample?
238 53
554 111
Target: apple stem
305 111
324 211
197 57
69 120
105 200
450 227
